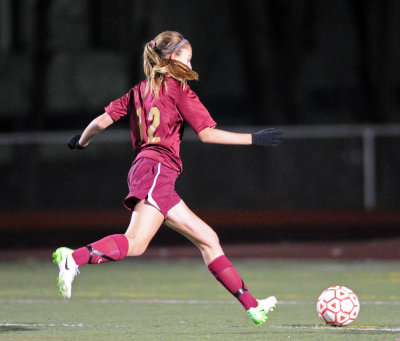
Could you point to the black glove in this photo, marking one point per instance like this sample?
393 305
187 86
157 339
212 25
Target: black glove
73 142
267 137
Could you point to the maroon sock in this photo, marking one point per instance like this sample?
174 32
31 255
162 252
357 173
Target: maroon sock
226 274
110 248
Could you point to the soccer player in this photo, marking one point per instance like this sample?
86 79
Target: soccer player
157 109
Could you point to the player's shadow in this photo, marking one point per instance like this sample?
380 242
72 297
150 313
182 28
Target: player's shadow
7 329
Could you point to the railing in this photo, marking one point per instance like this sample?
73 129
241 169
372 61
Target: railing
366 133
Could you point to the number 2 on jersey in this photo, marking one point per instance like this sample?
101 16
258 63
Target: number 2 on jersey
154 115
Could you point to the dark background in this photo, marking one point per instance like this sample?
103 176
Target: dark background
301 64
260 62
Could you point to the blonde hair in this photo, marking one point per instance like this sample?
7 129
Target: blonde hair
158 65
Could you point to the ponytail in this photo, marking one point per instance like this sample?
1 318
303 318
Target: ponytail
157 65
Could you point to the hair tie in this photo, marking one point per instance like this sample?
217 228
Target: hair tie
153 43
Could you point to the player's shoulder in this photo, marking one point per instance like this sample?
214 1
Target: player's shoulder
138 90
133 89
139 86
177 85
172 82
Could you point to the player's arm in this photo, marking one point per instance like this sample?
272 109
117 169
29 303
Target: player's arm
93 129
218 136
264 138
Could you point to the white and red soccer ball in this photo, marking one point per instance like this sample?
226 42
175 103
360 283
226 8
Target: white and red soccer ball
338 306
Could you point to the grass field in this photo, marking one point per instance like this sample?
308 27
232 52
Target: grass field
180 300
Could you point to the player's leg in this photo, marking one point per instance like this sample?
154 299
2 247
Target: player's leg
183 220
145 222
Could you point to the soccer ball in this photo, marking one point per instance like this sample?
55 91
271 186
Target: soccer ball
338 306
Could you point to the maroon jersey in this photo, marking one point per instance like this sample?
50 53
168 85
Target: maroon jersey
157 123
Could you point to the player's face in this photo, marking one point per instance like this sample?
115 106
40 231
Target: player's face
184 56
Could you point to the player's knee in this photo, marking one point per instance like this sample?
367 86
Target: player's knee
212 241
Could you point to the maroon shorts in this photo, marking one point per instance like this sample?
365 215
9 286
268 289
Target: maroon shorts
151 180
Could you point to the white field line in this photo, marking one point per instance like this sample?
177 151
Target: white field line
287 327
363 328
164 301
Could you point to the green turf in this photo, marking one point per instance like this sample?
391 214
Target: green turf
180 300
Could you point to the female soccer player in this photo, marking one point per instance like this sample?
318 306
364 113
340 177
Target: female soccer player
157 109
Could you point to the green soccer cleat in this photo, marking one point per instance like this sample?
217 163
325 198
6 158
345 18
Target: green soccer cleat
259 313
67 270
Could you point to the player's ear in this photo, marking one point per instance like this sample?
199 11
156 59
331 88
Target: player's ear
172 56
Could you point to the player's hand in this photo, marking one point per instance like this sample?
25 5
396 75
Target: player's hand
73 142
267 137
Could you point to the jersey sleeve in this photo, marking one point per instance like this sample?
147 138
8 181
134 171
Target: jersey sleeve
193 111
118 108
